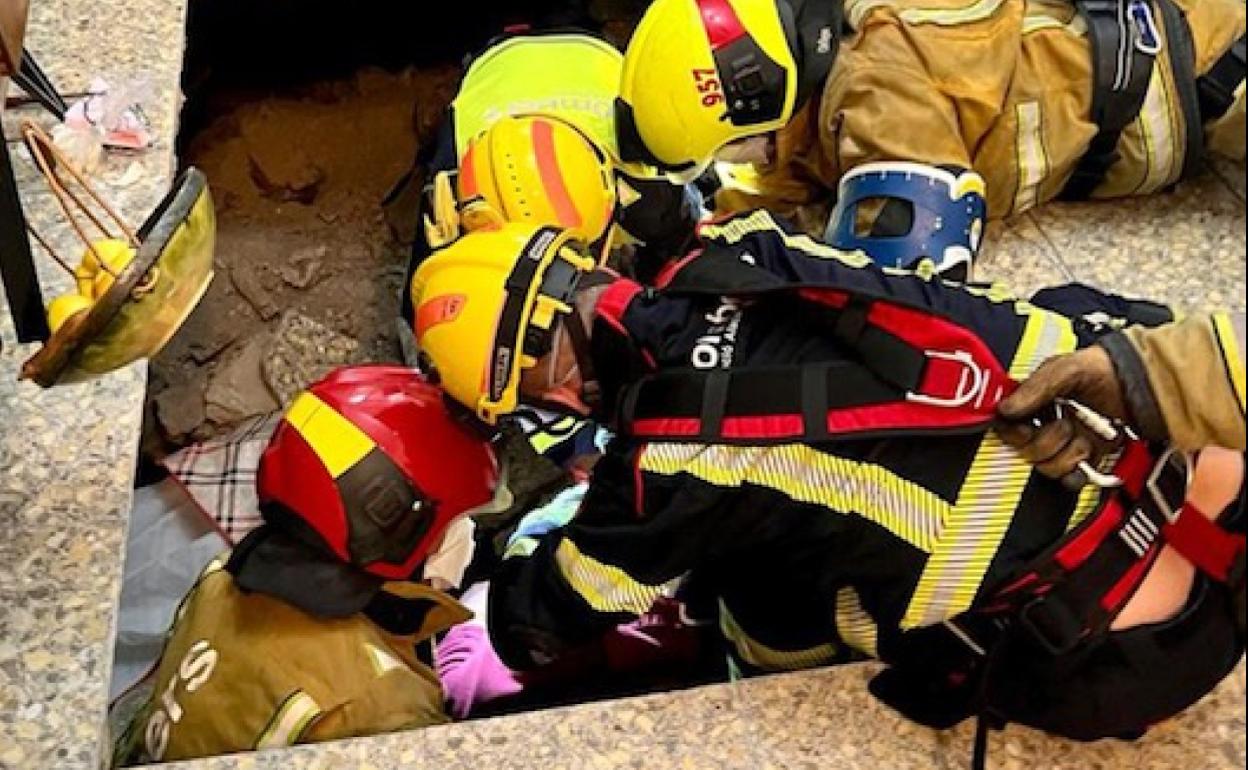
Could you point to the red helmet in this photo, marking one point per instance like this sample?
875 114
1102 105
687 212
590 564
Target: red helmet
367 467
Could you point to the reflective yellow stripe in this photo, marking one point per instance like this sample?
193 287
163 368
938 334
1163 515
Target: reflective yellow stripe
1232 353
806 475
290 721
989 496
602 586
1077 28
857 10
736 230
1033 159
986 505
383 661
856 628
949 17
1158 130
767 658
1089 499
336 441
1045 335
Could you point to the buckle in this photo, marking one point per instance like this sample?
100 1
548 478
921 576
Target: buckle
972 384
1168 462
1147 38
1047 634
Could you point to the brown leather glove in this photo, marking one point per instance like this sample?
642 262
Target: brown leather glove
1061 442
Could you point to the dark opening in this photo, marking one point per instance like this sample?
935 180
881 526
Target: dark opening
304 114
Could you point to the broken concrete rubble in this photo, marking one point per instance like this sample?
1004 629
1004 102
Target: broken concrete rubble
206 348
237 389
302 351
247 280
180 409
304 267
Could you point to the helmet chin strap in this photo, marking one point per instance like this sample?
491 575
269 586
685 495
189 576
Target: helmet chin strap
578 335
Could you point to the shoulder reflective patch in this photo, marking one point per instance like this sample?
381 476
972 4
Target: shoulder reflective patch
290 722
604 587
856 628
767 658
904 508
383 660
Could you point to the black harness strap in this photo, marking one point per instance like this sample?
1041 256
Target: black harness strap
1217 86
889 357
1122 66
17 264
711 396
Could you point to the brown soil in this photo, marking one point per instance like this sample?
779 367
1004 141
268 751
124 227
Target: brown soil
298 179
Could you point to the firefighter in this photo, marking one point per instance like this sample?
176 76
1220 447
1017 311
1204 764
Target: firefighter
318 625
1042 99
803 456
547 164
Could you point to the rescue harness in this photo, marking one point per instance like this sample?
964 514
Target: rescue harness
916 372
1126 39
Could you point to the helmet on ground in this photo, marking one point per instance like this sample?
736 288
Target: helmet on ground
540 170
357 486
699 74
900 214
487 306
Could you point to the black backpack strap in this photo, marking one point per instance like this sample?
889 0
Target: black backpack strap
1122 67
1217 86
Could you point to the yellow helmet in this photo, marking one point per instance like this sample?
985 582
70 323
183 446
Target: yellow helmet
540 170
699 74
486 307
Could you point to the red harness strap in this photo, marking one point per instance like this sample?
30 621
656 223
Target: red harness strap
1210 548
1072 594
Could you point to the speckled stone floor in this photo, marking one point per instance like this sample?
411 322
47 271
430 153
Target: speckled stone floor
67 457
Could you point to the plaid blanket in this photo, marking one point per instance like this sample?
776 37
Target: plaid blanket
220 476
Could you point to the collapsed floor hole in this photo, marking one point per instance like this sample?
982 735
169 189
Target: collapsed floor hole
303 117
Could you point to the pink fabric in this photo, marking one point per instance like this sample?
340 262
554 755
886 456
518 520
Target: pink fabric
471 672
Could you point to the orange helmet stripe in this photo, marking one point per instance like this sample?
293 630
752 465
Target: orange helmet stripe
468 174
552 179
